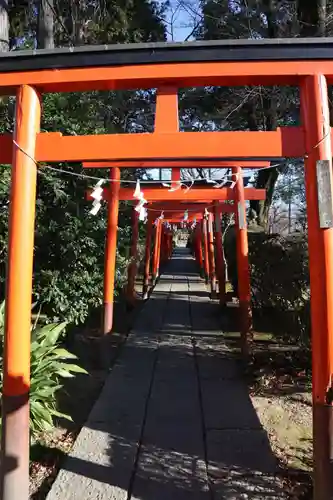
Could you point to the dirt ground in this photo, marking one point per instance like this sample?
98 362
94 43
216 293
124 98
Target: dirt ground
279 381
280 390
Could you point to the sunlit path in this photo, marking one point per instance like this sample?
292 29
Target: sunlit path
174 420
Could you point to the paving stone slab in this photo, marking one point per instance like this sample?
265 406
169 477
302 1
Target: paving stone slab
165 474
177 373
214 342
151 318
204 320
178 317
179 345
227 405
168 401
120 401
138 345
169 428
126 389
242 465
134 362
161 425
215 366
99 467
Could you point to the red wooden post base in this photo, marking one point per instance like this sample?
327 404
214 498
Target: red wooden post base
15 443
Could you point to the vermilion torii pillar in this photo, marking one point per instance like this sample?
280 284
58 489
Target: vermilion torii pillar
162 247
146 277
161 231
205 247
132 268
199 246
170 245
243 270
167 245
220 265
319 196
211 251
111 249
15 442
166 121
157 244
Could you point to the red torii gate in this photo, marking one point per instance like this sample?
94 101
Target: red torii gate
175 213
307 64
199 194
210 231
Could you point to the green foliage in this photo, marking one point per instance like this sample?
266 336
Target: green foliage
50 363
90 22
69 242
279 269
244 108
279 280
109 21
69 246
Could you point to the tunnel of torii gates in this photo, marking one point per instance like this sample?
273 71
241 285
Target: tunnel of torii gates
306 64
203 204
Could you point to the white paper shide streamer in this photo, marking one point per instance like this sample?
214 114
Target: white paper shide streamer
140 208
97 195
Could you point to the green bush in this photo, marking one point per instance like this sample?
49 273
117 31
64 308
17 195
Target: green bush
279 280
50 363
279 270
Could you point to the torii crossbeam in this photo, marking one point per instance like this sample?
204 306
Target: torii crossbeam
191 195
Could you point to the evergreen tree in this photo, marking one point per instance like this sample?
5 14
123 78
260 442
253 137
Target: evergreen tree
69 243
254 108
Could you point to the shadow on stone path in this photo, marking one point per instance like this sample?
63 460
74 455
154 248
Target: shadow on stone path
174 420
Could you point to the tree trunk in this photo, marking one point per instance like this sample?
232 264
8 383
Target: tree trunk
4 26
75 23
321 18
45 26
259 210
272 26
312 17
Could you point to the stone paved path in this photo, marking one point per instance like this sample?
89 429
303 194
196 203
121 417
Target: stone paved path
174 420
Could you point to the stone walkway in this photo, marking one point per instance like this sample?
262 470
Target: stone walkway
174 420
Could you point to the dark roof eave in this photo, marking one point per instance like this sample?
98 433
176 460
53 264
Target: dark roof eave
164 52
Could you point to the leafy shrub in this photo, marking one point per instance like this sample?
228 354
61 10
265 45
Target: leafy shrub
279 268
69 242
49 364
279 279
